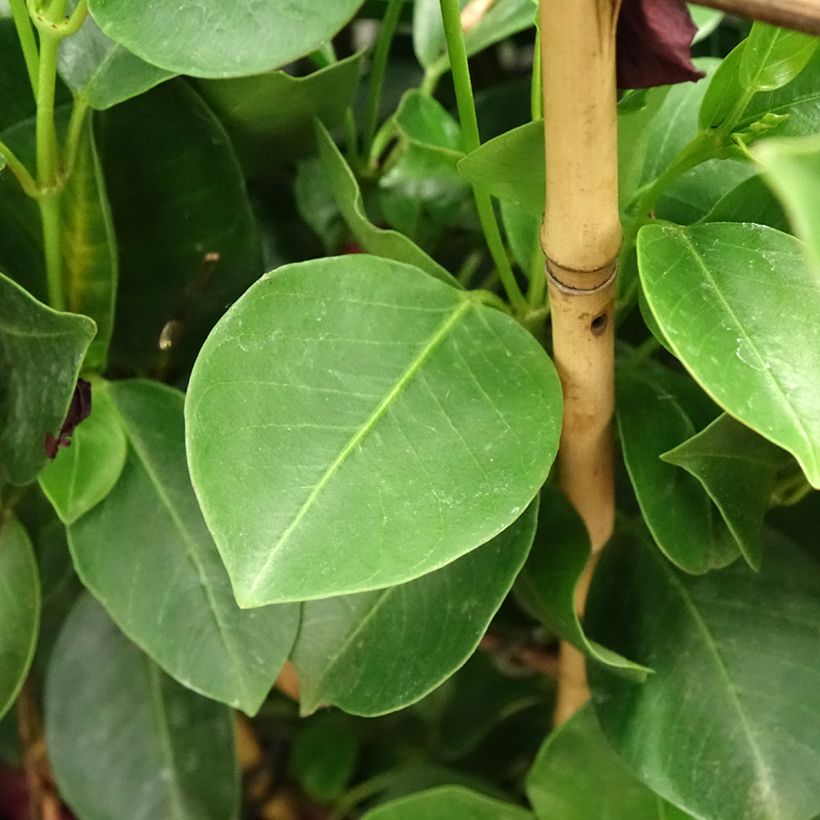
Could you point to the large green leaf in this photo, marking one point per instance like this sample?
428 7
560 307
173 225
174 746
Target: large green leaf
166 588
792 168
748 289
386 243
270 116
726 728
653 417
101 72
82 475
89 247
773 57
214 38
380 651
578 776
739 470
547 585
124 740
447 803
398 422
178 199
19 609
41 351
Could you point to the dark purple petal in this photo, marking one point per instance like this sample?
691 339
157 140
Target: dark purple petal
78 411
654 38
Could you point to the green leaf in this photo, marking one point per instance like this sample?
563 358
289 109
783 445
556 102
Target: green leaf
124 740
212 38
377 652
739 470
391 416
16 99
324 754
447 803
547 585
653 417
89 247
577 776
523 232
169 584
386 243
101 72
41 351
725 727
19 609
719 99
178 198
749 291
707 20
792 169
426 123
82 475
773 57
750 201
270 116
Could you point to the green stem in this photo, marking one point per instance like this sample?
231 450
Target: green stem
387 31
351 138
538 275
536 95
25 34
75 131
24 177
451 14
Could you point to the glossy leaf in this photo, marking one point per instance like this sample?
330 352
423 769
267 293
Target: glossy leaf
82 475
748 289
735 687
653 417
749 201
378 652
19 609
41 351
270 116
547 585
739 470
773 57
89 247
124 740
212 38
398 422
188 243
577 775
387 243
792 169
101 72
168 591
447 803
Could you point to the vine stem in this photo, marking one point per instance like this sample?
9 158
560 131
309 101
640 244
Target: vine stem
451 14
16 166
25 34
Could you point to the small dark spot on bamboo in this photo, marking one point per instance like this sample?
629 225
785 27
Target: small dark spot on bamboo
598 324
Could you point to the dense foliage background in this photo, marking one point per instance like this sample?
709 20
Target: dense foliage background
357 448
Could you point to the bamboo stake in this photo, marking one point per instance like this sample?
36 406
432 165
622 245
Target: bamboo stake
581 237
801 15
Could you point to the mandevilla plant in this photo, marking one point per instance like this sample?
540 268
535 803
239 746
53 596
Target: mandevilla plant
282 443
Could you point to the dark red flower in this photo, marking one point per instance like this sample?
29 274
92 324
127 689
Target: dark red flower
654 38
78 410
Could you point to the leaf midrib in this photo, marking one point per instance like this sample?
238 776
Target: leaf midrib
369 424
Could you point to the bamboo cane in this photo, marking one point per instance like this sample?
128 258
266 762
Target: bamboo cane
581 236
801 15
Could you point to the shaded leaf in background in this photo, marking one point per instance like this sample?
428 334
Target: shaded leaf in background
125 740
792 169
763 359
386 243
739 470
377 652
82 475
16 99
577 776
89 247
168 591
749 201
270 116
654 417
398 422
323 759
211 38
706 20
546 586
41 351
736 684
447 803
177 196
19 608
